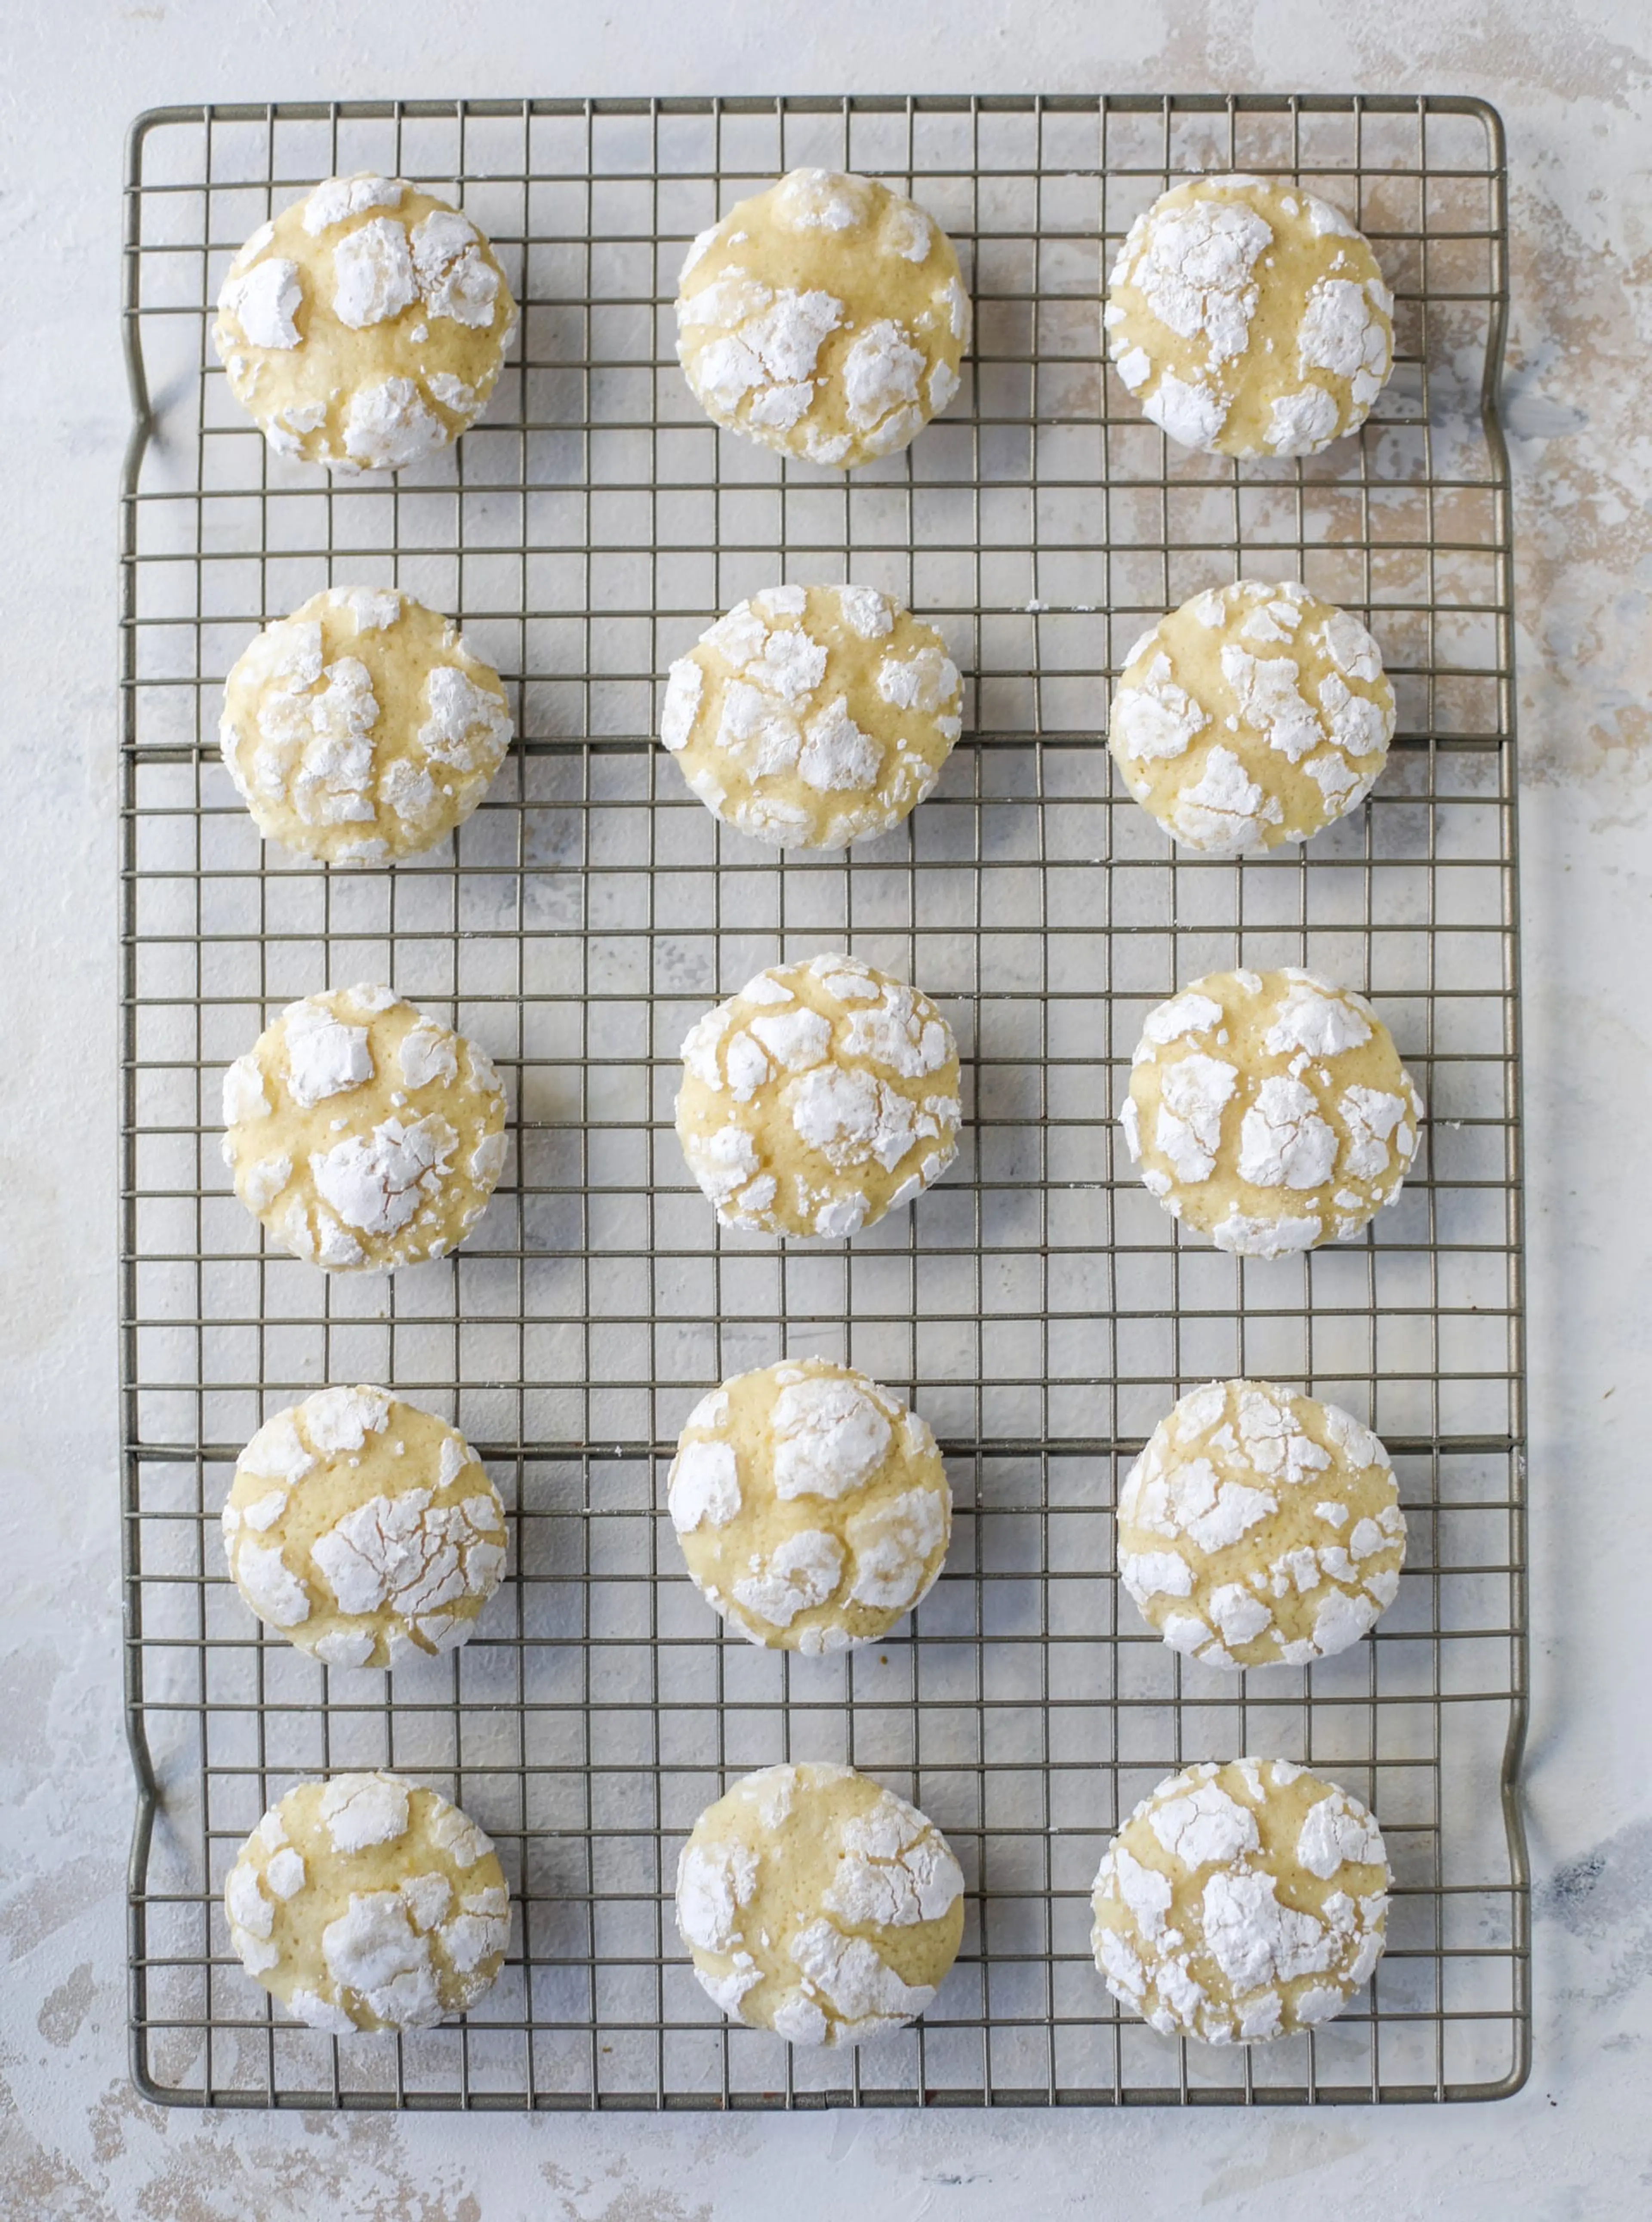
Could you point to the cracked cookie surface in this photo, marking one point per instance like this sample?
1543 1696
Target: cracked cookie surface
817 1904
1249 318
362 1134
810 716
367 1901
1254 714
1260 1527
1241 1903
364 326
821 1096
825 319
812 1505
361 729
361 1527
1270 1111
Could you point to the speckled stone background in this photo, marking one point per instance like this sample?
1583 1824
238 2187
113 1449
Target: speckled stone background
1574 79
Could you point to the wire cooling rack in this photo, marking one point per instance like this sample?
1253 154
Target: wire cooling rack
1038 1307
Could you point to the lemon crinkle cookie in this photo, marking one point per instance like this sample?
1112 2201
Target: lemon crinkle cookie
361 728
364 326
808 716
1270 1111
361 1525
1254 714
819 1905
1249 318
819 1097
812 1506
369 1902
1260 1526
1241 1903
362 1133
825 317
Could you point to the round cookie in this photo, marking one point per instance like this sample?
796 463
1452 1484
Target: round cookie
1270 1111
361 728
1259 1526
811 715
365 325
1241 1903
359 1526
825 317
812 1507
369 1902
1253 715
1249 318
818 1904
362 1134
819 1097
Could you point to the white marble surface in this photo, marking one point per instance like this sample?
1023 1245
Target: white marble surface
1574 79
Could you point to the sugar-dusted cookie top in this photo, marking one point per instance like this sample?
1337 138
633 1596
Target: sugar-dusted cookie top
363 326
362 1133
825 317
1249 318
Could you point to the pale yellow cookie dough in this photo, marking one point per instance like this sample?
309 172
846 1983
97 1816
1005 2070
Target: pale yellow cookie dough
819 1905
1254 714
811 715
812 1505
362 1133
1241 1903
364 326
819 1097
369 1902
361 728
361 1527
1259 1526
1249 318
1270 1111
825 317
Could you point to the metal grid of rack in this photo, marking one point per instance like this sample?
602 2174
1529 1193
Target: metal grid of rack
1037 1307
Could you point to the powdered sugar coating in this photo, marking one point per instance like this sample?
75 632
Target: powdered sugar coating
367 1902
361 728
1254 714
820 1904
812 1505
370 1521
1273 1112
825 1137
1241 1903
825 317
809 717
1260 1527
365 325
1249 318
380 1170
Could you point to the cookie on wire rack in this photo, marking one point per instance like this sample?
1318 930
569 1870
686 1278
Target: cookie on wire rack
362 1134
812 1505
821 1096
364 326
817 1904
810 716
363 1528
1254 715
1259 1527
361 729
1241 1903
1270 1111
367 1902
1249 318
825 317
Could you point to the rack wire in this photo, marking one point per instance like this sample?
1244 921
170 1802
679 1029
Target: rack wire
1038 1307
